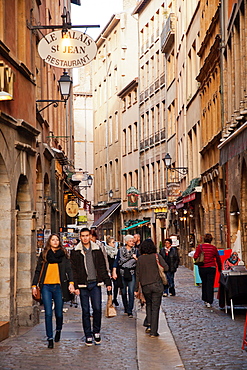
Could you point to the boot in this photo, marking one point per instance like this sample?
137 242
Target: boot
50 343
57 336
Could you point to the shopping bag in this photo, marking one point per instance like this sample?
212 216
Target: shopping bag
110 309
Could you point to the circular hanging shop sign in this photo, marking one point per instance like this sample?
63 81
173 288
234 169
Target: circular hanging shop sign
73 50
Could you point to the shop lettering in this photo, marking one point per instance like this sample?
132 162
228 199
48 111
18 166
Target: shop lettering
65 63
73 50
68 49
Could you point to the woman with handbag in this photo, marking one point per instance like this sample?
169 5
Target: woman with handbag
126 261
208 270
111 250
54 274
147 273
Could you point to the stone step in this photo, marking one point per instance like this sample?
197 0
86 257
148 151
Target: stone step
4 330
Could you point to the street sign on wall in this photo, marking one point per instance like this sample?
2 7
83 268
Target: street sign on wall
72 50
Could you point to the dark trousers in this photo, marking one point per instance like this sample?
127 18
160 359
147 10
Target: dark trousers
52 292
153 294
92 292
207 275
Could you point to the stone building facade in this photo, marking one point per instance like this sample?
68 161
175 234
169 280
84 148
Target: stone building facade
33 146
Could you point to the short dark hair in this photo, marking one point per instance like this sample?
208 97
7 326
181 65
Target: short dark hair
93 233
208 238
84 229
168 240
148 247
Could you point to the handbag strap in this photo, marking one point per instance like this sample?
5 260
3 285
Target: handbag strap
157 259
41 272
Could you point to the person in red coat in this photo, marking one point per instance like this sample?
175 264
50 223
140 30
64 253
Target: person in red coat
208 270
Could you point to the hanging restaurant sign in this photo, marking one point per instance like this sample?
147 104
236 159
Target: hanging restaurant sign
71 50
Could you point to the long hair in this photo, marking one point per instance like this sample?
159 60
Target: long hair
48 246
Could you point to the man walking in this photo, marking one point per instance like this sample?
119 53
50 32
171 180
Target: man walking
137 240
90 273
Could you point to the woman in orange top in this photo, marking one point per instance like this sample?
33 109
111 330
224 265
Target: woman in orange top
56 274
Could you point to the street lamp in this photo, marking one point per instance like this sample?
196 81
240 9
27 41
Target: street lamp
110 194
65 83
89 180
168 161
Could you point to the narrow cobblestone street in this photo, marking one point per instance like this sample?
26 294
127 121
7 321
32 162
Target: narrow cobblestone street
207 339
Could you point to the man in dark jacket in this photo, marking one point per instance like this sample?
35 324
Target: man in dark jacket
171 256
90 273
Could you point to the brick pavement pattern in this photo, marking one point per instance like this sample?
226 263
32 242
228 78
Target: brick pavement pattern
207 339
117 351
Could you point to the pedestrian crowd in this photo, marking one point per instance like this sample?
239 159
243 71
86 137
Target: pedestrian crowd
135 269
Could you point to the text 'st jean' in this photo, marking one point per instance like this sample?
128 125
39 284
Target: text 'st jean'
92 291
52 292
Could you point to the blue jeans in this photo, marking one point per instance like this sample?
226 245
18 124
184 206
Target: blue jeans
130 286
93 292
52 292
170 280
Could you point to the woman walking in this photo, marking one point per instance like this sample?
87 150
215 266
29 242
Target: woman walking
147 274
111 251
126 261
208 270
54 266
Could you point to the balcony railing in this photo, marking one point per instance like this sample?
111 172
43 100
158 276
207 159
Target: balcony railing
168 33
153 196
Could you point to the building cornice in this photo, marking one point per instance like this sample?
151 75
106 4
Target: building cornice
115 19
141 6
128 88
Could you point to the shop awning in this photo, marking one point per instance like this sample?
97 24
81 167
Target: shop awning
106 215
138 224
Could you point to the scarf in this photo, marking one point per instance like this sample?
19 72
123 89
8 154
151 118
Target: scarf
126 259
55 257
232 260
111 251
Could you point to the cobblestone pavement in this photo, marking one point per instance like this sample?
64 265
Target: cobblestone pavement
206 338
117 351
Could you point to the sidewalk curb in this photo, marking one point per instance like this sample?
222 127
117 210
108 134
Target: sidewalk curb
157 353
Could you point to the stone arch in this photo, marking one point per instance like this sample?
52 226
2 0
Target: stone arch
243 211
235 226
24 241
6 266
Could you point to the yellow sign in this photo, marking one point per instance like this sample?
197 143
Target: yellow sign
72 208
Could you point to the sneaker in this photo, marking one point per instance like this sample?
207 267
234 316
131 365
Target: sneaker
208 305
148 329
97 338
89 341
165 295
130 315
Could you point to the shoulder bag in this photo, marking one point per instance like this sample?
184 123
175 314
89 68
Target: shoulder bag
199 261
38 295
161 271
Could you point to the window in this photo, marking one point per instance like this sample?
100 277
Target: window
135 137
110 130
129 100
130 139
124 142
116 126
116 174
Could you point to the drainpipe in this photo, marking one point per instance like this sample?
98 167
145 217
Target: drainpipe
224 167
